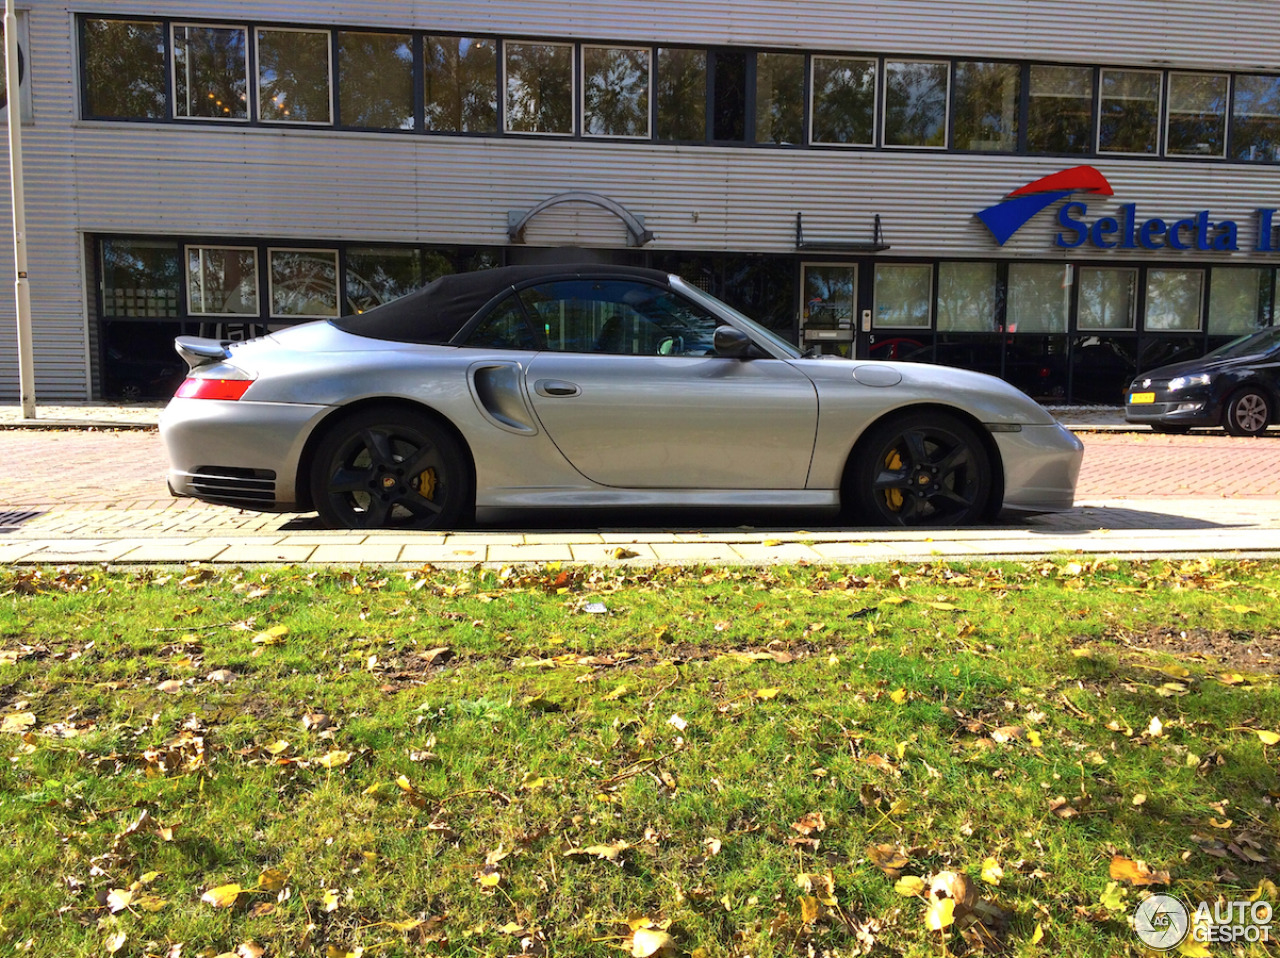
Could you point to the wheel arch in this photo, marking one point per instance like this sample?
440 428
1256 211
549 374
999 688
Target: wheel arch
306 460
984 435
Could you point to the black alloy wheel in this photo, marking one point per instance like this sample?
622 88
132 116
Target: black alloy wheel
921 469
1247 413
390 468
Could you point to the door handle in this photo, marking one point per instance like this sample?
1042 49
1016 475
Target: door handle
556 388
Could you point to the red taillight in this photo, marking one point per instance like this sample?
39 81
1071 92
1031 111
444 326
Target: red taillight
198 388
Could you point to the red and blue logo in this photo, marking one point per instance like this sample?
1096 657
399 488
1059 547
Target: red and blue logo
1011 214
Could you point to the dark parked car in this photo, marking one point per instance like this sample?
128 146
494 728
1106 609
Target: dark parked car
1237 387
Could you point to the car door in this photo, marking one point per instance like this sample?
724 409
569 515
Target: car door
632 393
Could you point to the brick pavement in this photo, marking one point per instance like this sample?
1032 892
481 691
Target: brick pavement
99 497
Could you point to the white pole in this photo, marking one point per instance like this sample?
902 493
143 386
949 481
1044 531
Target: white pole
12 76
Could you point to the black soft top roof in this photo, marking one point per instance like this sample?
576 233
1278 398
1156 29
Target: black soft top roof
436 313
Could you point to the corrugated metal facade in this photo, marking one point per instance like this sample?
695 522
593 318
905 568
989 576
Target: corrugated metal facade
88 178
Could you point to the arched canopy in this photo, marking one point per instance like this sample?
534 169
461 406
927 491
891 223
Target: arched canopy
637 235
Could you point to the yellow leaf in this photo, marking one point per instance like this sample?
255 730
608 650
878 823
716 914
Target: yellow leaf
115 942
1193 949
118 899
887 857
767 693
334 759
329 900
941 914
1231 678
809 910
337 951
1266 891
17 722
151 903
646 942
1268 738
273 879
406 925
1156 728
898 695
1176 671
992 872
1037 936
944 606
224 896
1033 739
489 876
909 886
1140 799
277 747
1243 609
1136 872
272 636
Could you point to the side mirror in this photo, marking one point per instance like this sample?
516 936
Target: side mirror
731 343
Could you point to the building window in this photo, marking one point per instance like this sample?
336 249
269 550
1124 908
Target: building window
830 295
779 98
1039 298
903 295
293 76
375 80
378 275
915 103
461 78
682 94
615 91
1197 123
1239 299
1255 119
140 279
986 106
1174 297
539 85
1129 120
210 72
843 101
729 96
967 297
304 283
222 281
1107 298
124 72
1060 110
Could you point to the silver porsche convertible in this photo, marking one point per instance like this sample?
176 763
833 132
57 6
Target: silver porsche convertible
593 386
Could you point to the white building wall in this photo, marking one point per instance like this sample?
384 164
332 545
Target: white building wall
95 177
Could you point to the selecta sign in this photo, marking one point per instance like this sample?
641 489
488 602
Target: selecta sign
1123 230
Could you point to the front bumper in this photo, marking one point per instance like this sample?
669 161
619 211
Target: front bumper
241 453
1041 466
1173 411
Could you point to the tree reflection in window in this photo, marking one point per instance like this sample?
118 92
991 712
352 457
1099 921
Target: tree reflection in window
210 72
615 91
140 278
1060 110
539 80
779 98
304 282
377 275
682 95
1197 114
293 76
1255 119
124 69
1129 111
461 82
915 103
222 281
1173 299
986 106
844 101
375 72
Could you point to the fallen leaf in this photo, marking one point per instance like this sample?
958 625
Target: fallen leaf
607 852
1268 738
941 914
250 949
224 896
678 722
115 942
489 877
1136 872
647 942
329 900
809 909
809 823
898 696
992 872
272 636
909 886
1007 733
770 693
18 722
273 879
334 759
169 686
118 899
887 858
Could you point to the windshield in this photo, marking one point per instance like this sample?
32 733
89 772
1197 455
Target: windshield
1260 342
748 325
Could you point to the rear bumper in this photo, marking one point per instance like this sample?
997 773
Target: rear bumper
1041 466
243 454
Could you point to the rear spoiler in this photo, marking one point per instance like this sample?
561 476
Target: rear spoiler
197 351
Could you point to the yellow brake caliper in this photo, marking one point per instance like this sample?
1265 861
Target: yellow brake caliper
893 497
427 483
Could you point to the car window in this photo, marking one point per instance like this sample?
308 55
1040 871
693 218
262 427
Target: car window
504 328
619 317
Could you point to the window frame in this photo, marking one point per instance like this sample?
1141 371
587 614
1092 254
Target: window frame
649 112
250 110
186 286
329 34
337 283
82 64
1100 99
811 94
1170 77
884 105
504 103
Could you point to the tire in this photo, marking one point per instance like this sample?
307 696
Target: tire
920 469
391 468
1247 413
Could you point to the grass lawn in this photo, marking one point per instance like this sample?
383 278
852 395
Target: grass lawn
936 759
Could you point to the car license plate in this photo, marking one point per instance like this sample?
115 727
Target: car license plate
1137 398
